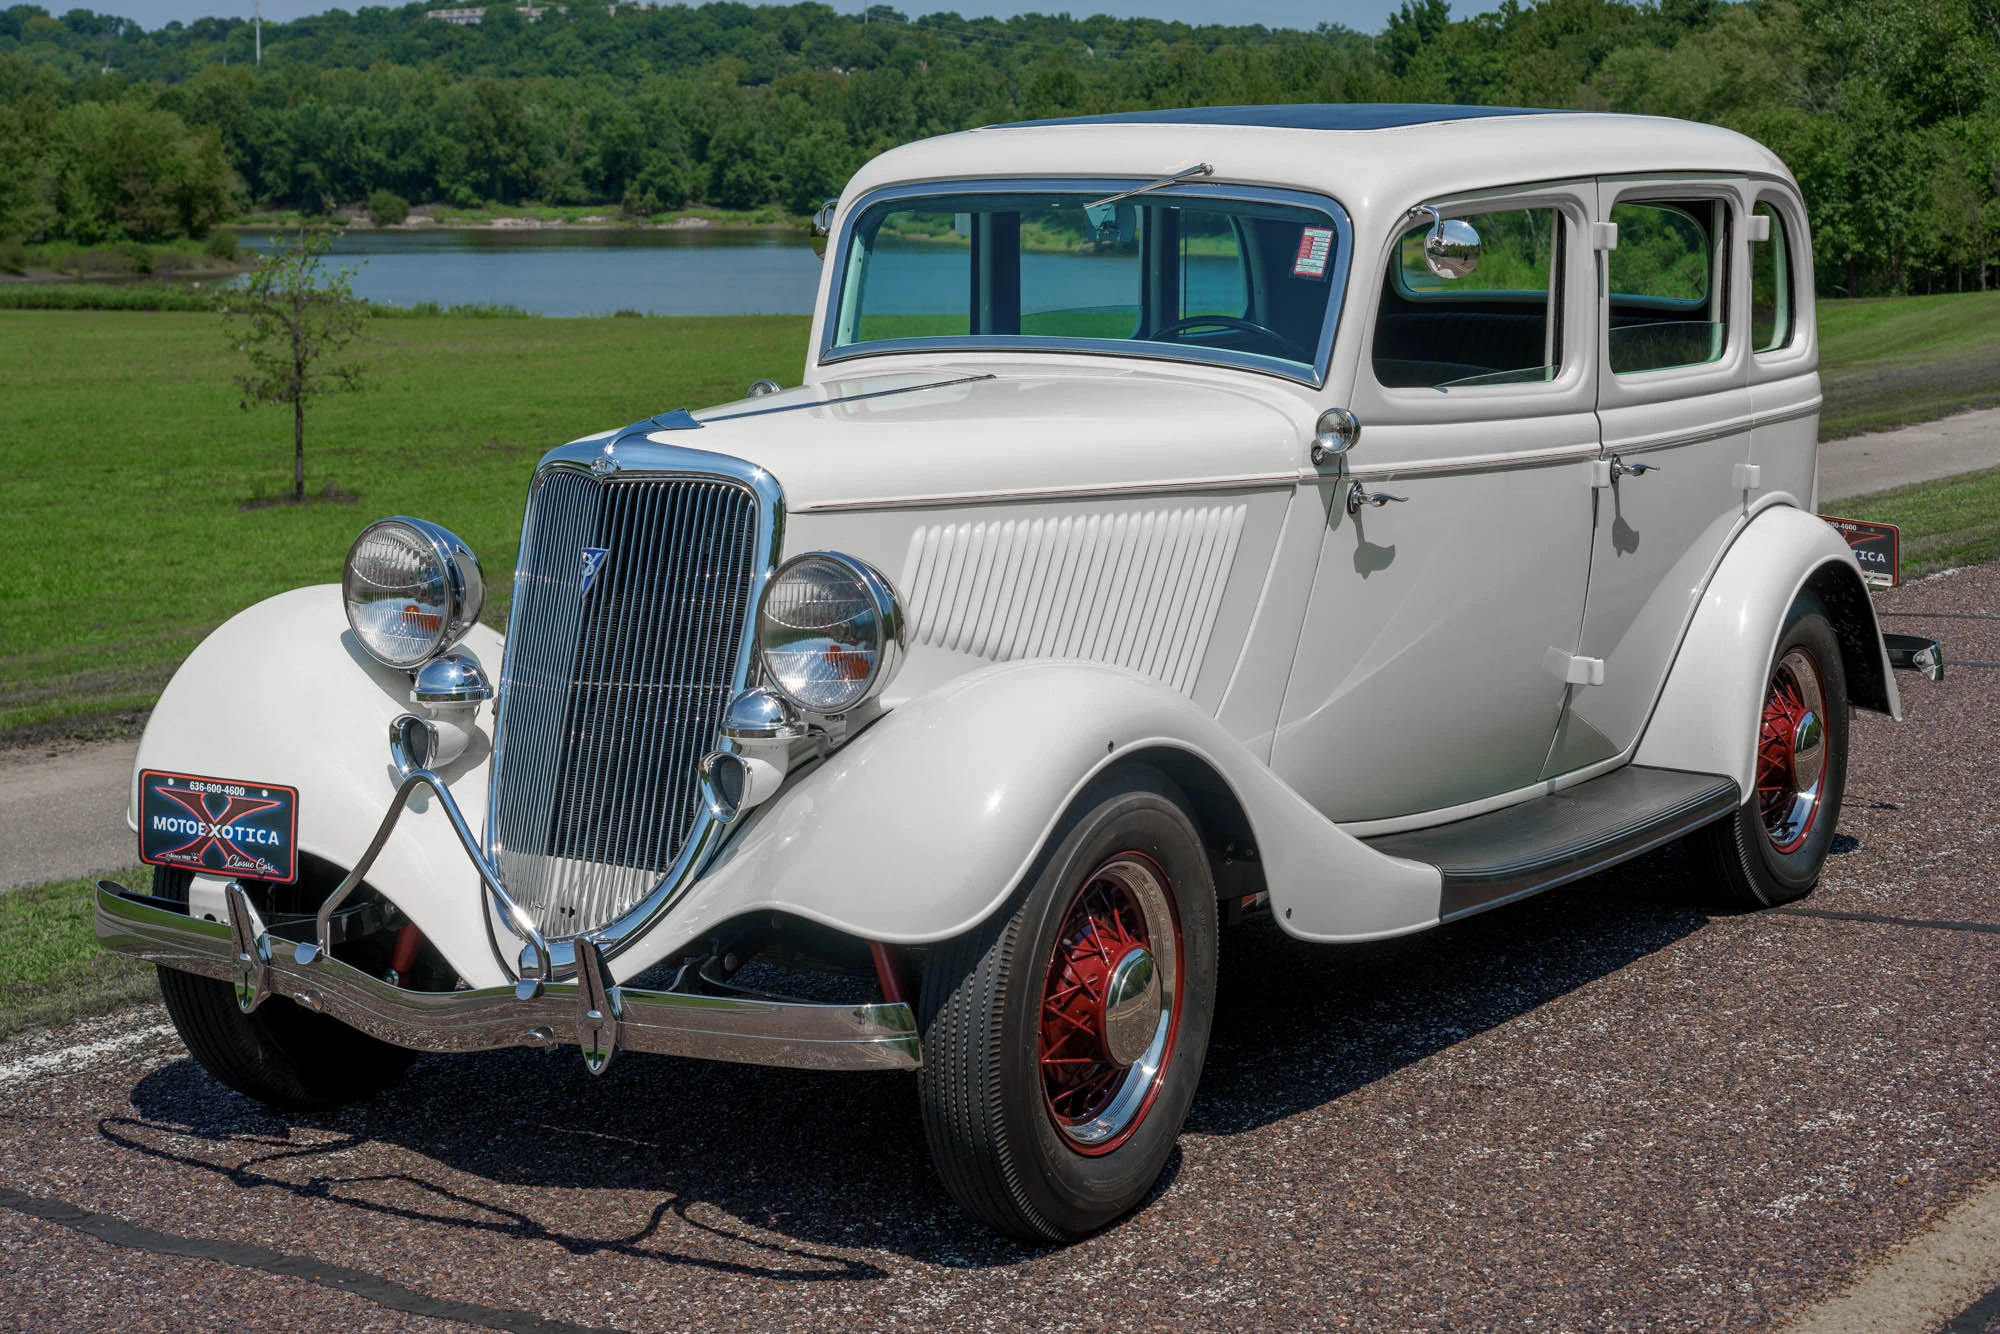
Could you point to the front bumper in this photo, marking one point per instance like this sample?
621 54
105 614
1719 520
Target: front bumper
588 1012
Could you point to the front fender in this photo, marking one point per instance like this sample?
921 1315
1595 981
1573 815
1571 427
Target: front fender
281 693
919 828
1707 716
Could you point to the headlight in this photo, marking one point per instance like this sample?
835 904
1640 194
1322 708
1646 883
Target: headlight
829 631
412 590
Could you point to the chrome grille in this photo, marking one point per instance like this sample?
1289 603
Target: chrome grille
610 697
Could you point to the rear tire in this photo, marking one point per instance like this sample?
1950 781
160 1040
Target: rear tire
1050 1107
279 1054
1773 849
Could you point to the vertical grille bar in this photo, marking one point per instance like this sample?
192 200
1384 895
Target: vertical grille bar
608 699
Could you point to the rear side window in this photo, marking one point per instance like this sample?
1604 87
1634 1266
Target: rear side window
1771 299
1669 285
1499 324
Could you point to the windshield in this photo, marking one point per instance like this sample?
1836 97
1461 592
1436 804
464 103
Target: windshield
1183 274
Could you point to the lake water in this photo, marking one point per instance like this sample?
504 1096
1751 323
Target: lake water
691 272
684 272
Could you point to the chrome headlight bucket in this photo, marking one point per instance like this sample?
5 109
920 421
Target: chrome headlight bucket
829 632
412 590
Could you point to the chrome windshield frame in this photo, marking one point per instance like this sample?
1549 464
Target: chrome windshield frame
639 458
1314 377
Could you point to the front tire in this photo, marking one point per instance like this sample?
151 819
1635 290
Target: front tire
280 1054
1773 849
1064 1036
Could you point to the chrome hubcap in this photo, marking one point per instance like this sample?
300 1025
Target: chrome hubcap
1131 1006
1791 751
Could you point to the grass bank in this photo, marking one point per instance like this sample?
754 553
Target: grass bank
1953 521
51 968
125 466
1897 360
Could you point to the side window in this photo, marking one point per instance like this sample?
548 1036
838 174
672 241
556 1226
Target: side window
1771 286
1499 324
1669 284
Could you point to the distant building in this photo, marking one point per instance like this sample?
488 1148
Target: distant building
464 18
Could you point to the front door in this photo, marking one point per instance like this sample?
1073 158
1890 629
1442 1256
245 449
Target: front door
1430 671
1675 404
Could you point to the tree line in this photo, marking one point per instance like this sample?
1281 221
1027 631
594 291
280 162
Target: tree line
1888 111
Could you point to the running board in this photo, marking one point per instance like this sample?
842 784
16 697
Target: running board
1509 854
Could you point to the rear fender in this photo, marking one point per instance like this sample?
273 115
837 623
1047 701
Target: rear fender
1707 717
281 693
920 827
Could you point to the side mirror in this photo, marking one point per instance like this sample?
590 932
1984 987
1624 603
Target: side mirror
1451 249
822 226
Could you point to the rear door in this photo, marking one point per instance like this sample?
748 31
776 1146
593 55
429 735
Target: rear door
1675 409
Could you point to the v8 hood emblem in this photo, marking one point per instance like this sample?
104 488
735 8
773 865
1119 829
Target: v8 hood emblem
593 562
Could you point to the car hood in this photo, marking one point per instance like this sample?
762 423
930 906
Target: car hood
944 434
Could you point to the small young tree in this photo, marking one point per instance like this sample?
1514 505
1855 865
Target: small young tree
291 318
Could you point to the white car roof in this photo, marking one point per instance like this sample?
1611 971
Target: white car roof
1370 156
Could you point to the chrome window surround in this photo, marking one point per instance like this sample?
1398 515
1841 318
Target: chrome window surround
1194 191
629 452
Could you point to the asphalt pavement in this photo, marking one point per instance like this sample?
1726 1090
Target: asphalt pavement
1606 1108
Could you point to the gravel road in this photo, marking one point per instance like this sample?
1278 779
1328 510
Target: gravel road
1602 1109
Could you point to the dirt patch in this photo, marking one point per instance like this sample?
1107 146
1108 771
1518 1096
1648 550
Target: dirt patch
333 493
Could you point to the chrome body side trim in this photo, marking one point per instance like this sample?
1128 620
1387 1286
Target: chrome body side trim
1130 348
719 1027
838 399
1247 482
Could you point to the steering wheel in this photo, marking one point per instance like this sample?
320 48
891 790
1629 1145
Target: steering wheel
1293 350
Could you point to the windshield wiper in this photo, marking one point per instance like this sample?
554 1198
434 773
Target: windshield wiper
1198 169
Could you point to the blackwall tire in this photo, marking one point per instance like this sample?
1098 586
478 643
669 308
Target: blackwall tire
279 1054
1049 1112
1773 849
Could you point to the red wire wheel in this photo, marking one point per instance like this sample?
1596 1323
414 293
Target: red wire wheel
1792 750
1110 1004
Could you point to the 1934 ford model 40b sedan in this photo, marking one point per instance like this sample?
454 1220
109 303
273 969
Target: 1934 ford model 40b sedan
1364 515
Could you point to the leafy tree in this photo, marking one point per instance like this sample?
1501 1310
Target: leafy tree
291 319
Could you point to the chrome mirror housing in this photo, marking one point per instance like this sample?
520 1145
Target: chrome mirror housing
1451 249
1334 435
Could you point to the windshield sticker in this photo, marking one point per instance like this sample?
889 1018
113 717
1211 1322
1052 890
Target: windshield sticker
1315 245
218 826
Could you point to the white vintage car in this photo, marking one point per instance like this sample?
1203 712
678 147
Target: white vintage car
1365 515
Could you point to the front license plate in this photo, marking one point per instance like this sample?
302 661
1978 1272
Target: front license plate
1877 546
219 826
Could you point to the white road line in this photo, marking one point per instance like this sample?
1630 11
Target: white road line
70 1059
1923 1282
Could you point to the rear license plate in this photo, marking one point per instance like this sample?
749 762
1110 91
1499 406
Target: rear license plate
1877 546
219 826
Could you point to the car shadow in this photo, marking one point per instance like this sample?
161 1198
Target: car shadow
808 1173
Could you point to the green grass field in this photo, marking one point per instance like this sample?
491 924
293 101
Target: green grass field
1897 360
126 465
51 969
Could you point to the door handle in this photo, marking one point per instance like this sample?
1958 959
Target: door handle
1619 467
1358 495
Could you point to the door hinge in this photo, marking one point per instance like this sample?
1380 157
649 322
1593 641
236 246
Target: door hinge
1603 236
1749 476
1584 671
